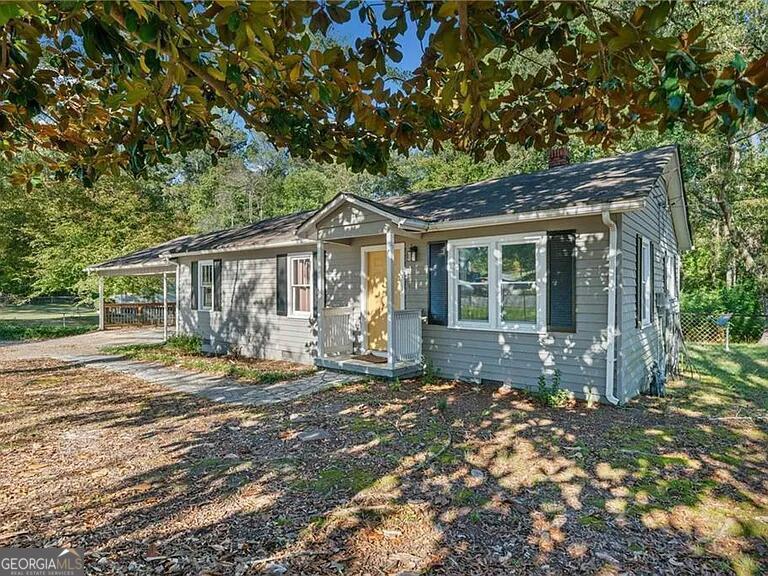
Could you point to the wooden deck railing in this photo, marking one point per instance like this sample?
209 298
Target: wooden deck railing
138 314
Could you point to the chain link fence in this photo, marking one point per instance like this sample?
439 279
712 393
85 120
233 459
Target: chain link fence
708 328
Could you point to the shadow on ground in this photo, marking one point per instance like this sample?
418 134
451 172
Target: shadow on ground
443 478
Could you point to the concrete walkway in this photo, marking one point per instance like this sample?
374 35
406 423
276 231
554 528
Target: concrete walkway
82 344
85 350
216 388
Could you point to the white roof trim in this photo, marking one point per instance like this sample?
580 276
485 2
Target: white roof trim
244 248
152 267
678 207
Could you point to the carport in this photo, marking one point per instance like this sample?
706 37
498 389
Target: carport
147 262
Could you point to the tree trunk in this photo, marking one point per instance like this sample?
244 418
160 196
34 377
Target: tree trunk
736 237
764 337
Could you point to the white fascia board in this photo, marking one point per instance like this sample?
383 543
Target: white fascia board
583 210
145 269
678 208
248 248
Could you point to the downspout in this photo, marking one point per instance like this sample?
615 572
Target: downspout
610 357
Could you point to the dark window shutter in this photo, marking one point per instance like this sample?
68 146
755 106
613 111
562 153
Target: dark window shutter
316 294
561 281
217 284
638 280
438 284
653 280
193 293
325 278
281 290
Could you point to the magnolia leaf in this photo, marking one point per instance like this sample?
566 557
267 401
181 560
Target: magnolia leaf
739 63
657 15
8 11
148 31
338 14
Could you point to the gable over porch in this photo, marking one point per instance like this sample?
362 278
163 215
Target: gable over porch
364 321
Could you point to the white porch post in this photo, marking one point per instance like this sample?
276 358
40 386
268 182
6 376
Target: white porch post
390 298
165 306
101 302
320 298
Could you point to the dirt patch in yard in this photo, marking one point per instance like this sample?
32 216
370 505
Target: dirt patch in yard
375 479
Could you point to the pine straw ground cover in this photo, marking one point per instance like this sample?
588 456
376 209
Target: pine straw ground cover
443 478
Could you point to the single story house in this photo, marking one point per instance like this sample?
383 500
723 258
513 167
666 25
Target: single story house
575 269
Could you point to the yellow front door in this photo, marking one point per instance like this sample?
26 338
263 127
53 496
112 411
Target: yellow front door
376 297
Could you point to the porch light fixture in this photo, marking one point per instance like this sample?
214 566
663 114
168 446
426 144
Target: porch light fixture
413 253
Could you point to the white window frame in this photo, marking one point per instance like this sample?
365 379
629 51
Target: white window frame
299 313
647 289
494 245
200 265
671 277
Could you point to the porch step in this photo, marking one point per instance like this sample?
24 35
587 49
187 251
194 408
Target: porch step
350 365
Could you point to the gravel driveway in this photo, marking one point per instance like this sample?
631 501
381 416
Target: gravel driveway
81 345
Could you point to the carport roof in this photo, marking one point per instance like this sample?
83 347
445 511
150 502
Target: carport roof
155 259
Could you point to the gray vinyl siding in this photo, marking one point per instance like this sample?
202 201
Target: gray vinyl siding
499 356
518 358
248 319
640 346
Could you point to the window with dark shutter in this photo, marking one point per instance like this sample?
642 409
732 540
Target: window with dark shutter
193 294
438 284
281 290
217 284
561 281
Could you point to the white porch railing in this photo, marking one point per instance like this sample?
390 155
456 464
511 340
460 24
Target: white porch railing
407 335
337 330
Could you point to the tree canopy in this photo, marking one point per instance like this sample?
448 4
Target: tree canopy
97 87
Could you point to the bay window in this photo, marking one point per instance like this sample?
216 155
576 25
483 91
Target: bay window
498 282
300 285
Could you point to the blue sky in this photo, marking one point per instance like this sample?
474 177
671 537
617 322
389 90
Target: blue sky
410 45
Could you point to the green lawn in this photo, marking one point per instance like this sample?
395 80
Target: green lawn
39 321
734 382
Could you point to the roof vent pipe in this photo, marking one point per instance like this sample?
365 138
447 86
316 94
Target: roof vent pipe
559 156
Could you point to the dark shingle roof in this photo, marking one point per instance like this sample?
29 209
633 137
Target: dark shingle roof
271 231
598 181
143 257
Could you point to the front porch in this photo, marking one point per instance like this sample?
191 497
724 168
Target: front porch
337 343
368 329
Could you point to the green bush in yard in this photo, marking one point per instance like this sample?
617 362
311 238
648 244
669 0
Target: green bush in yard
551 394
741 300
185 344
40 331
